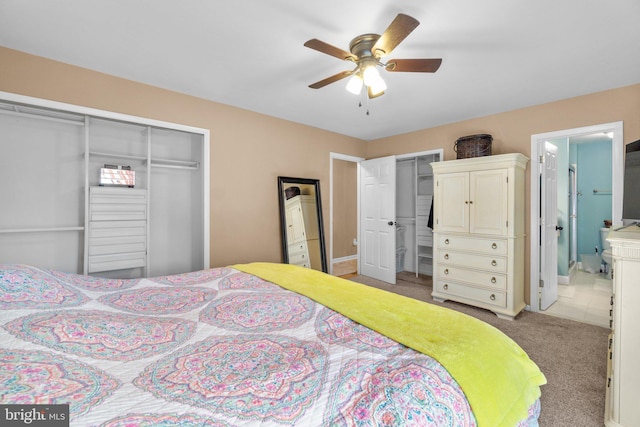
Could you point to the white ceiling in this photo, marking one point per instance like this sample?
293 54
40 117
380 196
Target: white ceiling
498 55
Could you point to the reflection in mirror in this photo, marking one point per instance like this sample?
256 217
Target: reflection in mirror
301 222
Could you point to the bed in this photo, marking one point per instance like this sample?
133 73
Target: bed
256 344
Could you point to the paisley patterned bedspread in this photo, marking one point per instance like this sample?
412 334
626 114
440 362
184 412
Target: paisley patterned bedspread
216 348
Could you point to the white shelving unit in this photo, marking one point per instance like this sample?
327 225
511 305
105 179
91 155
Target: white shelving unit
53 153
414 198
424 200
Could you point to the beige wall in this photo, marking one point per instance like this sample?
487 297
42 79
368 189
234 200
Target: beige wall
512 130
248 150
345 208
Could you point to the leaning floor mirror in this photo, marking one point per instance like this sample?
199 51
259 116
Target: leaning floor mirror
301 222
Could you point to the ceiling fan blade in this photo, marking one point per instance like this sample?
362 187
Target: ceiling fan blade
323 47
322 83
400 28
414 65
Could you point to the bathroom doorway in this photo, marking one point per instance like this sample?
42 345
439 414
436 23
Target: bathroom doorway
537 204
584 201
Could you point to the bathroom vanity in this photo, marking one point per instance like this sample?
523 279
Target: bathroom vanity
623 369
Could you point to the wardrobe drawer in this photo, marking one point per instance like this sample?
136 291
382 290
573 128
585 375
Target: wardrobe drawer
299 258
423 205
424 232
485 262
117 195
480 278
117 237
484 296
297 248
473 244
102 229
117 204
118 212
116 261
424 240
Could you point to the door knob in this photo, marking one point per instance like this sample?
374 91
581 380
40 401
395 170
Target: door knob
559 227
391 223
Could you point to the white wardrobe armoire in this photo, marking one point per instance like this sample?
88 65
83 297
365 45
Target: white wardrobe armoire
479 223
622 404
303 238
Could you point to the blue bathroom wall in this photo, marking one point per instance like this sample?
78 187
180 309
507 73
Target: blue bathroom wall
593 173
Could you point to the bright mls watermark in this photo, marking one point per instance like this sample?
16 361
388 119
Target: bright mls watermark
34 415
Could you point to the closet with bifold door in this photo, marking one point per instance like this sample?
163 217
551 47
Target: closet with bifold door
414 201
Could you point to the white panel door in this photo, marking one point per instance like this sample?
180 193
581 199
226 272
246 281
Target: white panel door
378 219
548 223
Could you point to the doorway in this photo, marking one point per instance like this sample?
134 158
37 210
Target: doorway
344 207
538 203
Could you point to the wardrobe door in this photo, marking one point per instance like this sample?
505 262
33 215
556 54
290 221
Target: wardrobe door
488 202
452 203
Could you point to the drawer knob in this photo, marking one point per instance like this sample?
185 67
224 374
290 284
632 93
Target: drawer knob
494 246
445 287
446 241
492 297
493 262
493 280
446 256
446 271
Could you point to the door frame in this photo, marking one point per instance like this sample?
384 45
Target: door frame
617 147
338 156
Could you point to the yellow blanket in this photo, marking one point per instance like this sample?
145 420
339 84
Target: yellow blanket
497 376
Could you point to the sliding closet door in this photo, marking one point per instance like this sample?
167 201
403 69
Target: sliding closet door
41 188
176 234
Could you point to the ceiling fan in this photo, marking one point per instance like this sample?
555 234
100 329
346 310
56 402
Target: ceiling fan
366 51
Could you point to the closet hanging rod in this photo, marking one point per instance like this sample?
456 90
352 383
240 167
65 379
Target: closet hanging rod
605 192
117 156
39 230
38 116
192 166
189 164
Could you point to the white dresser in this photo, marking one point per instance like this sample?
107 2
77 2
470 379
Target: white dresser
117 228
622 405
479 223
303 240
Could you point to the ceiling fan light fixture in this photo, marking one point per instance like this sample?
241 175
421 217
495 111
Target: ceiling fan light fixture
378 86
370 75
354 85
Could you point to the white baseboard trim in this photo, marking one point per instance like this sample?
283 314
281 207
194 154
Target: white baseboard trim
344 258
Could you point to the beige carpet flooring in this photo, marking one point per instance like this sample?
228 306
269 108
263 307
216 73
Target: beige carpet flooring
572 355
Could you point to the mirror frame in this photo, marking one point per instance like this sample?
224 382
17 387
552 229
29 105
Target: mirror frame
282 180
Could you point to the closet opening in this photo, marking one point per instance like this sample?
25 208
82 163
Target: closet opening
414 204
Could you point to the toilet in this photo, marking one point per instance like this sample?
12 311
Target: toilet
606 250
